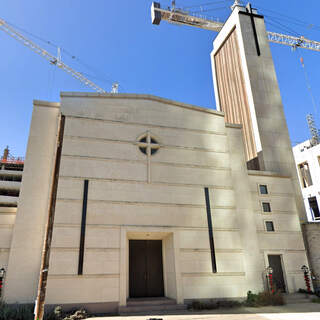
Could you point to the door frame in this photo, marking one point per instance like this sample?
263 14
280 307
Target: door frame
147 233
281 254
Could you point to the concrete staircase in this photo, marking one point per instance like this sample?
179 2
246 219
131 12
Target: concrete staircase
149 305
294 298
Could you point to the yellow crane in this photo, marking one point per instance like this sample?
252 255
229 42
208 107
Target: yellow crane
179 16
4 26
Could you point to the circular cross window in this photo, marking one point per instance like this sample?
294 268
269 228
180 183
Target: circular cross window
148 144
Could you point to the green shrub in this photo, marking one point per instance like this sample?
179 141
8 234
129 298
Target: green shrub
264 298
78 315
316 300
251 299
16 312
59 314
270 299
214 304
25 312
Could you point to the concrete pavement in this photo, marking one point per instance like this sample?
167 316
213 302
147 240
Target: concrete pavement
301 311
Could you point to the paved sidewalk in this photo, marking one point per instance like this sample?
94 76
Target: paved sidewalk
301 311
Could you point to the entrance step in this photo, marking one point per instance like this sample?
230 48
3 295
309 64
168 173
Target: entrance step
145 305
293 298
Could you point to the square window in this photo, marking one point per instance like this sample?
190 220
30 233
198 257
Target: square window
313 203
266 207
305 175
263 189
269 226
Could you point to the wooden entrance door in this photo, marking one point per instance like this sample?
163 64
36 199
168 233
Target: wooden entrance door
145 268
277 274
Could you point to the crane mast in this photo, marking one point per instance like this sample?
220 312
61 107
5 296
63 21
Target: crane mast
178 16
48 56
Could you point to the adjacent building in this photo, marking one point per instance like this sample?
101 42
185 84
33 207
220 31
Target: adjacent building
307 157
11 169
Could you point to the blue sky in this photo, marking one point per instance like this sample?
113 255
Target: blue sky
114 40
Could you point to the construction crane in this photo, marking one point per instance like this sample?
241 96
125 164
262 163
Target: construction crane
49 57
182 17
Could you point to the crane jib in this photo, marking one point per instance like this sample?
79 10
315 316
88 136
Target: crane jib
45 54
181 17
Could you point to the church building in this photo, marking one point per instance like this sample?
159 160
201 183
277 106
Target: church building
157 198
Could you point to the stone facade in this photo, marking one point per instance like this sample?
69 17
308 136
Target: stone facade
139 193
136 196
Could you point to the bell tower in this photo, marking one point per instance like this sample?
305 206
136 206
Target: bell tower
247 91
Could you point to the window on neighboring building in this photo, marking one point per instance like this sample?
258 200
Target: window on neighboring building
263 189
9 193
305 175
10 178
313 203
269 226
266 207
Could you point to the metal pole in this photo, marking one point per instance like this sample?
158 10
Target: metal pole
42 286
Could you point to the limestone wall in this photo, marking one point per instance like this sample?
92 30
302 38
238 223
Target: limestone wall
286 239
134 196
28 232
100 144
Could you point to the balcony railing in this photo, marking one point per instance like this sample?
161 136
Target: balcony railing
13 160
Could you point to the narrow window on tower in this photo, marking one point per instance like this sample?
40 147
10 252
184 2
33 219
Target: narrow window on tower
305 176
263 189
266 207
313 203
269 226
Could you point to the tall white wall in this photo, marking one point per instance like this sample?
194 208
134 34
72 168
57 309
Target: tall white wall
28 232
130 197
100 144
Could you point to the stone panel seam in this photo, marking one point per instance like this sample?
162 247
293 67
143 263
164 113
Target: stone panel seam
283 250
134 142
140 124
118 226
76 249
208 250
182 165
196 186
270 195
84 276
218 274
279 232
148 203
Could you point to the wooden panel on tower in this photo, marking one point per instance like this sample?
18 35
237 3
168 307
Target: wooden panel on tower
232 92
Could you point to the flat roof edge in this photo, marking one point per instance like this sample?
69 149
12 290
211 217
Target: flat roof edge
140 96
48 104
267 174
